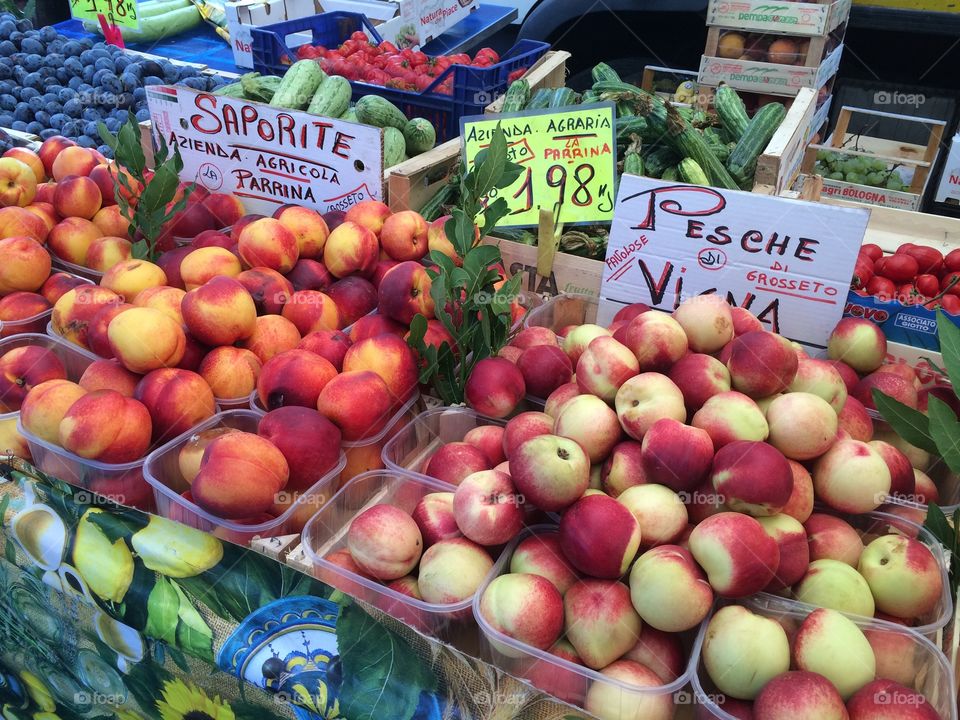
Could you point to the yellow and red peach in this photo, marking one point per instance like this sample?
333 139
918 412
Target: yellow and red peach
191 454
267 243
18 184
800 504
271 336
45 193
75 309
310 275
604 367
855 420
830 537
761 364
437 240
45 212
885 699
225 208
71 160
799 694
393 360
558 397
58 284
901 471
71 238
592 423
646 398
577 340
107 427
551 472
20 306
699 378
656 339
240 475
836 585
743 651
600 621
744 321
730 416
802 425
659 511
547 367
269 289
231 372
490 439
129 278
925 490
31 160
859 343
77 196
707 322
106 252
541 555
524 607
753 477
890 385
676 455
237 227
534 335
737 555
454 461
404 293
660 651
791 539
50 148
97 331
311 311
176 399
25 267
45 405
351 249
307 227
371 214
22 369
15 221
170 262
599 536
434 516
609 700
309 442
354 298
669 590
822 379
144 339
332 345
385 542
833 646
294 377
12 442
904 576
358 402
521 428
404 236
623 468
487 507
213 238
221 312
451 571
851 477
200 266
164 298
109 375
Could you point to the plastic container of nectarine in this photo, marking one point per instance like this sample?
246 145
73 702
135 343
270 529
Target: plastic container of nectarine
566 680
75 359
59 263
903 655
33 324
326 533
875 524
562 310
410 449
162 473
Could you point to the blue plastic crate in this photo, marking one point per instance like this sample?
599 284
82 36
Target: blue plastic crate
473 87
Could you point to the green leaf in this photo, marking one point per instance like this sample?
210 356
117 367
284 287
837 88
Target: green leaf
492 214
382 676
193 634
163 608
912 425
201 589
949 346
511 173
945 431
489 165
460 230
109 139
178 659
244 586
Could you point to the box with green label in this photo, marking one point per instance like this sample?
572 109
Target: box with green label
789 18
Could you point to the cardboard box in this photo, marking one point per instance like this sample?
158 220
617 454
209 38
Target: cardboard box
948 191
789 18
765 77
244 15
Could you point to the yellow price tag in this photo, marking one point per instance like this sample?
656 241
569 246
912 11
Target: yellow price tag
122 13
568 156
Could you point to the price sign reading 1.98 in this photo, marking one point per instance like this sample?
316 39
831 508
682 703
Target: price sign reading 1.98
117 12
568 156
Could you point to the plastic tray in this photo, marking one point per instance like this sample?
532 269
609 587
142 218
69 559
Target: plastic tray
33 324
411 448
473 88
933 677
326 533
75 359
871 526
86 273
562 310
162 473
567 680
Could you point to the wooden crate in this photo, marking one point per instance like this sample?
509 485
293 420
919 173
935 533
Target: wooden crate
550 71
569 273
412 183
816 18
651 74
779 165
919 157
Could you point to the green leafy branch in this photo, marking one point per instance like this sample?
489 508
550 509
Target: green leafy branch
467 302
937 432
154 208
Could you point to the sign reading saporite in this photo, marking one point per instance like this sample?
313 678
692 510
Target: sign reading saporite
788 262
269 156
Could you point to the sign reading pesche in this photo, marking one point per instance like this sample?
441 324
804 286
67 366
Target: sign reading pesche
269 156
788 262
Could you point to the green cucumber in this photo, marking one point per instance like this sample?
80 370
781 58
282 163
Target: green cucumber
742 162
540 100
160 7
671 174
332 99
420 136
299 85
632 164
692 173
602 71
380 112
517 95
659 159
732 111
157 27
433 208
394 147
562 97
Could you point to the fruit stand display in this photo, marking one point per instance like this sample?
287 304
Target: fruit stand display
859 165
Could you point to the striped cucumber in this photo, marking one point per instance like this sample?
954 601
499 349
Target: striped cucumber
732 111
299 85
516 97
742 162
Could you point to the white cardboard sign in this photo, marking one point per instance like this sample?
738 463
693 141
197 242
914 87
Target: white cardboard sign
269 156
787 261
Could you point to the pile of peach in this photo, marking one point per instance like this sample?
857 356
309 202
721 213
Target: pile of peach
720 507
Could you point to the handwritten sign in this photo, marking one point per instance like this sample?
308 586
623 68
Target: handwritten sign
117 12
788 262
269 156
569 156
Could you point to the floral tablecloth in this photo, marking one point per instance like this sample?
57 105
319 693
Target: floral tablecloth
108 612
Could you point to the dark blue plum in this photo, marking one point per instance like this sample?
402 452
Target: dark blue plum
87 57
57 120
72 48
105 64
7 27
139 95
74 83
6 87
71 129
8 103
32 62
74 65
53 60
91 113
50 97
49 34
24 25
19 125
42 117
28 93
87 142
7 48
153 81
107 99
6 72
62 75
88 73
48 133
19 73
112 124
33 45
33 80
6 120
197 83
142 115
73 108
23 112
16 38
134 69
64 94
86 44
35 127
187 72
55 47
36 104
122 62
90 128
129 82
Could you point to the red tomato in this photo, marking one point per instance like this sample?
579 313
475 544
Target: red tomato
871 250
387 47
862 272
951 283
516 74
899 267
488 53
459 59
927 258
418 58
952 261
908 294
882 288
358 35
950 304
927 284
905 246
422 81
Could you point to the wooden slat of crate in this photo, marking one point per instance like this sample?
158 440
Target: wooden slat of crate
570 273
550 71
780 162
412 183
